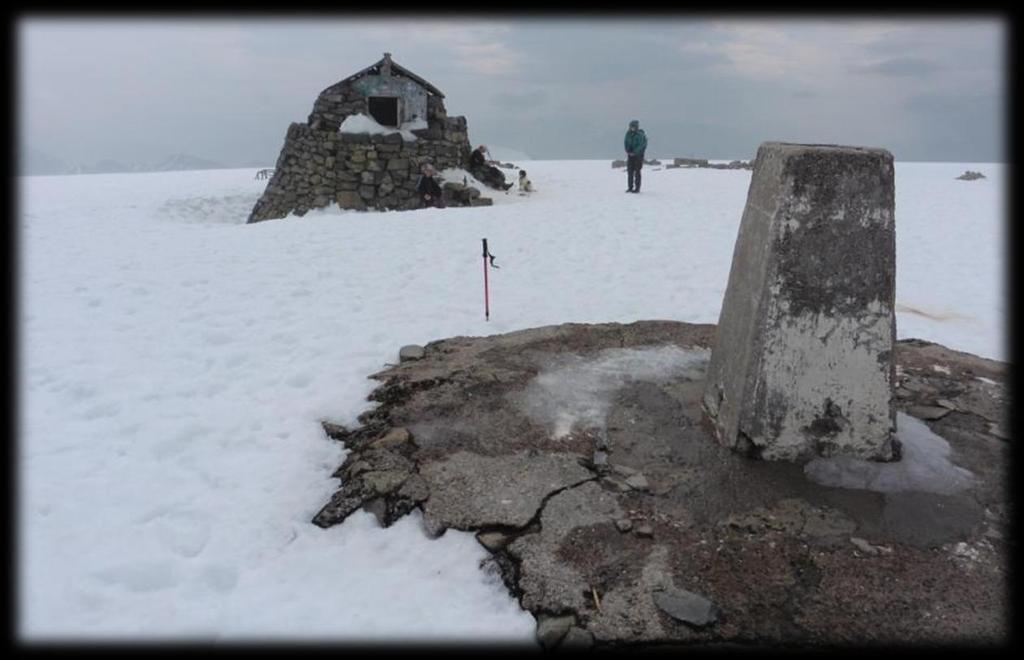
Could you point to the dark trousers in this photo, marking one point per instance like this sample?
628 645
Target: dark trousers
435 201
633 166
489 175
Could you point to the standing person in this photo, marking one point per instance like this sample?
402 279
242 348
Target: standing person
481 166
428 187
636 145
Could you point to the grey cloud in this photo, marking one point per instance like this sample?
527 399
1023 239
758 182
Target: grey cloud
521 99
898 66
602 52
228 90
968 125
965 49
937 35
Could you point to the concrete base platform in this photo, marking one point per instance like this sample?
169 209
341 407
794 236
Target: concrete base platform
578 455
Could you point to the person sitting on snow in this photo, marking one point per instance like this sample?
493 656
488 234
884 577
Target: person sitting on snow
428 187
482 167
525 185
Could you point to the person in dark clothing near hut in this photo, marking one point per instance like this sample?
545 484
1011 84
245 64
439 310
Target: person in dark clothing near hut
480 166
636 145
428 188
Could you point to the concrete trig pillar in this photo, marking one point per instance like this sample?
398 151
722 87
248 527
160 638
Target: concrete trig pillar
803 361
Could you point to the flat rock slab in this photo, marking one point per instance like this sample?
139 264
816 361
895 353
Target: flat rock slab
551 630
470 491
687 607
603 553
410 352
929 412
578 520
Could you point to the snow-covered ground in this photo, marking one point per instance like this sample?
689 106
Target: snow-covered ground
175 364
360 123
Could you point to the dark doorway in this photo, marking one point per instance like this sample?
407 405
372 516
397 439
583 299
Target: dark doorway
384 109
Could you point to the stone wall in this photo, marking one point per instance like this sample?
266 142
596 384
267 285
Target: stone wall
343 99
318 167
334 104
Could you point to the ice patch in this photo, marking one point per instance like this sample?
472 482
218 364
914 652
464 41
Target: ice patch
925 466
579 394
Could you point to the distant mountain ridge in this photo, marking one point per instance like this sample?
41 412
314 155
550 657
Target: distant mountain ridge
186 162
36 163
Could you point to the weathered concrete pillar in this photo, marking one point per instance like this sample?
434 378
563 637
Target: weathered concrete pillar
803 360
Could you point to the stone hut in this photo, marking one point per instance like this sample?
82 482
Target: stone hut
324 162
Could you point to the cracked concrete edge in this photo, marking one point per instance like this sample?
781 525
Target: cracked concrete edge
544 582
387 506
470 491
595 336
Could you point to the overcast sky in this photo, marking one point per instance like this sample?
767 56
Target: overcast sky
552 87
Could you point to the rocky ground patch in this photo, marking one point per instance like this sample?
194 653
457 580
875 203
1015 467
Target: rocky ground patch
617 520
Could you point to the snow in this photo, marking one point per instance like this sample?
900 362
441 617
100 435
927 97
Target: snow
361 123
924 465
460 175
175 364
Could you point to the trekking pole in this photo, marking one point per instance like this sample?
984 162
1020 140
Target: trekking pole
487 301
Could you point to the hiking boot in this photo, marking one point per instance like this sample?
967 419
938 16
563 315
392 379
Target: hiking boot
629 190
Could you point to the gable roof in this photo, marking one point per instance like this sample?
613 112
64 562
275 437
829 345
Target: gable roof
374 69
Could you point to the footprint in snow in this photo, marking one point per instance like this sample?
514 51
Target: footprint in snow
185 533
139 577
219 577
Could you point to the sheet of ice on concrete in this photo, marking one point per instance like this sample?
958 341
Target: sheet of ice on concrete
924 466
578 393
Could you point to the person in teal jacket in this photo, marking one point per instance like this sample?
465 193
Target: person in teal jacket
636 145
